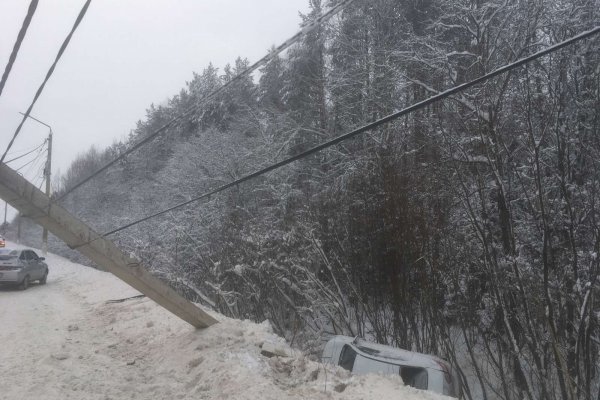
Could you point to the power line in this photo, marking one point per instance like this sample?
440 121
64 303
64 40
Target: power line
305 29
17 46
29 152
41 168
40 151
19 151
41 183
26 164
48 74
365 128
35 165
33 160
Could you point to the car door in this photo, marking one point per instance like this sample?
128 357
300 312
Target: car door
30 265
36 266
24 257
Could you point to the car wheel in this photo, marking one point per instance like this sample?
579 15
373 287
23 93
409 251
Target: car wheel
44 279
25 284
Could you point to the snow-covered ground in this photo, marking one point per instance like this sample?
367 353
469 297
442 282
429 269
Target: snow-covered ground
63 341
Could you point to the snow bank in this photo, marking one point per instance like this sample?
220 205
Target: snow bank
89 349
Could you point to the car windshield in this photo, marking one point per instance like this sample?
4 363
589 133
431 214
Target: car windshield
7 254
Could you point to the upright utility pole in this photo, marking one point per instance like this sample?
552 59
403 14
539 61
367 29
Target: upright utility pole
5 211
47 174
19 219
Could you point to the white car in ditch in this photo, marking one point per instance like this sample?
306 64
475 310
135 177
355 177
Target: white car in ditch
418 370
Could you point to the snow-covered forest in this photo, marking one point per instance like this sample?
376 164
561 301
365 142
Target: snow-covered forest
469 229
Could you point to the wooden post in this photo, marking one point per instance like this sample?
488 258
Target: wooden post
29 200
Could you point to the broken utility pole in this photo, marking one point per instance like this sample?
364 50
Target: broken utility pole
29 200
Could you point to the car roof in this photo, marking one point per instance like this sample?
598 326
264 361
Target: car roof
389 354
7 250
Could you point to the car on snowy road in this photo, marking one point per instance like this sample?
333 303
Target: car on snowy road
21 267
421 371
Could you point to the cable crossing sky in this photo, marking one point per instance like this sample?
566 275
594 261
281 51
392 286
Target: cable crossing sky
26 154
32 162
422 104
48 75
19 41
310 26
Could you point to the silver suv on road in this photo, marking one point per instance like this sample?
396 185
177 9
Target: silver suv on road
21 267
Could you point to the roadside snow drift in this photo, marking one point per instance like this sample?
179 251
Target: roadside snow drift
63 341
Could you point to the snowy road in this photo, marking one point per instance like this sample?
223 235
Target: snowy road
53 338
33 325
63 341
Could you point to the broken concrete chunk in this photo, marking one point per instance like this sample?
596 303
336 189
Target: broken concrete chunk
271 350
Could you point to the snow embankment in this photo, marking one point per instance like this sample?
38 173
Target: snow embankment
63 341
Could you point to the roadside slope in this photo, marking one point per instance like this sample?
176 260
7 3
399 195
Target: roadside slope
63 341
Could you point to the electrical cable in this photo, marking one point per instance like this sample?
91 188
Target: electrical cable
305 29
33 160
41 177
19 41
26 164
29 152
41 169
48 75
365 128
40 150
36 166
19 151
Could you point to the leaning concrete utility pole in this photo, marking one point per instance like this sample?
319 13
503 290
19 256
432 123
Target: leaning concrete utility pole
29 200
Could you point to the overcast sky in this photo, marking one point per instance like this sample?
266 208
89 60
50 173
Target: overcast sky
125 55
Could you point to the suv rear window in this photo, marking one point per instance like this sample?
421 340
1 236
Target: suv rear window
414 376
347 357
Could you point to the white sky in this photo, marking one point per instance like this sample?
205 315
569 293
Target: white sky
125 55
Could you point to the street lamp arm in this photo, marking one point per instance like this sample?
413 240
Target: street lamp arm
35 119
